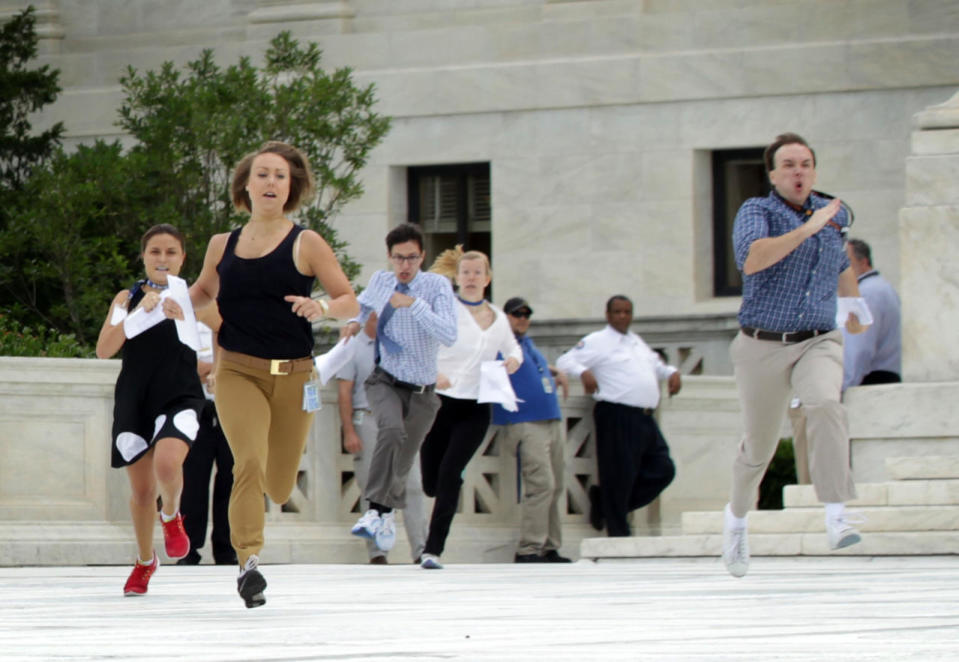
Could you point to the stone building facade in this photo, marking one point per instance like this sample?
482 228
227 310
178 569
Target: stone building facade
584 141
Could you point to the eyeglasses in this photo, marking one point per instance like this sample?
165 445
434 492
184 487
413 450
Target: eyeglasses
410 259
521 313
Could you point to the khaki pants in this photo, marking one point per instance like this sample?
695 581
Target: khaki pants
539 445
264 422
768 373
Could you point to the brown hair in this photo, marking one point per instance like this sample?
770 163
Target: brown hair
302 184
162 228
769 154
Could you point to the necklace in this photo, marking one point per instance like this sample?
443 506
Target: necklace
157 286
470 303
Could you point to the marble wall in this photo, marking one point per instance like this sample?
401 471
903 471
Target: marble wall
596 116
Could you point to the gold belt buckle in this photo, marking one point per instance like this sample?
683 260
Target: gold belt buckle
275 367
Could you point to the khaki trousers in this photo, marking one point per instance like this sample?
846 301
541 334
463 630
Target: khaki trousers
539 445
264 422
768 373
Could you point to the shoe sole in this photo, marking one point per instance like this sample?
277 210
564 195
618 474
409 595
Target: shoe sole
250 587
848 541
363 533
431 565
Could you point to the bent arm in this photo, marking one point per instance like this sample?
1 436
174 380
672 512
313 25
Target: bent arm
320 261
207 285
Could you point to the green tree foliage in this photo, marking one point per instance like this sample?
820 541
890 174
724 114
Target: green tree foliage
193 126
23 91
73 239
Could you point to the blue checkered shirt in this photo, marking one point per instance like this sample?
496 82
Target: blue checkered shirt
798 293
418 329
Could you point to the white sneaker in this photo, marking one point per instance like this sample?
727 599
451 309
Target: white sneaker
735 546
367 526
841 533
431 562
386 534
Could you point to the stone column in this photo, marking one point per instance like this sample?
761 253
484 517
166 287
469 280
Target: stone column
929 247
302 18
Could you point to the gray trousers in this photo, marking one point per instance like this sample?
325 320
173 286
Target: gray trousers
414 515
539 445
402 419
767 375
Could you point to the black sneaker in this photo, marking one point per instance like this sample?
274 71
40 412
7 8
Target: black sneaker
552 556
192 558
595 507
251 584
528 558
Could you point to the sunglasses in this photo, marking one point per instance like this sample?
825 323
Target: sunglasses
521 313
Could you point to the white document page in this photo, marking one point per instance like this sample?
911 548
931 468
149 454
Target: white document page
339 355
855 305
495 386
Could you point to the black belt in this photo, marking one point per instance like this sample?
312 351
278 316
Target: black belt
416 388
647 411
783 337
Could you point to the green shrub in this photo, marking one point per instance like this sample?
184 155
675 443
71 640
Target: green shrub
19 340
781 472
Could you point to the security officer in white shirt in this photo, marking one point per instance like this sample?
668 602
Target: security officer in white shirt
622 374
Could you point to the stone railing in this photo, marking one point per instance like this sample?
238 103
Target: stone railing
56 483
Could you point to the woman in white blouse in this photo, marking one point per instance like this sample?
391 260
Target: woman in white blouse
461 422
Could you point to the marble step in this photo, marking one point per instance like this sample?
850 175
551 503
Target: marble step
919 468
69 543
898 543
890 493
810 520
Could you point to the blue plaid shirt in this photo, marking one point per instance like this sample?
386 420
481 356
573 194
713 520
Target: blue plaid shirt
418 329
798 293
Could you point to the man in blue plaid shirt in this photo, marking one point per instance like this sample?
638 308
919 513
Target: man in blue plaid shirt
416 314
790 248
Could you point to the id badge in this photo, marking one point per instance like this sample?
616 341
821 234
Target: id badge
311 396
358 417
547 385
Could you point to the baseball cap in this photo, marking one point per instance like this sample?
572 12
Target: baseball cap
516 303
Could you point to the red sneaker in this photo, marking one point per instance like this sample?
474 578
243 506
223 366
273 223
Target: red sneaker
175 538
140 577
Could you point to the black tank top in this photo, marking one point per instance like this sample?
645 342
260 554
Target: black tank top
256 319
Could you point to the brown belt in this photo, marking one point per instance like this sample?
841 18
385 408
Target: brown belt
274 366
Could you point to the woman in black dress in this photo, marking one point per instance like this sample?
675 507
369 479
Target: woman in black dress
157 403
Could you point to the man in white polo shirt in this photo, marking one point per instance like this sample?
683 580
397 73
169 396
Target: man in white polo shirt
622 374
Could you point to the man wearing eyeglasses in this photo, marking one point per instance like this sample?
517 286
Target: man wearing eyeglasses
416 314
534 435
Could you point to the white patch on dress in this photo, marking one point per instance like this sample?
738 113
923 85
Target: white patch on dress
187 423
158 424
130 445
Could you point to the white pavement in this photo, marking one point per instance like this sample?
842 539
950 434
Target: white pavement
656 609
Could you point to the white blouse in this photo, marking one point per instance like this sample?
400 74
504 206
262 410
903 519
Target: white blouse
461 362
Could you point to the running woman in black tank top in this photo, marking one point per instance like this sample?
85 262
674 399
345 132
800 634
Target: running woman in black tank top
156 406
261 276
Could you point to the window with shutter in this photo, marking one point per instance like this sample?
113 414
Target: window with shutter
737 174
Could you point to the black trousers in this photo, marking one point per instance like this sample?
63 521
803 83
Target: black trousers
457 432
633 462
209 448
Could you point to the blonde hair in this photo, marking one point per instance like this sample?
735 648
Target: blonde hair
448 262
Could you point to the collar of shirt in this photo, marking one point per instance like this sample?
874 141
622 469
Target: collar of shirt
871 272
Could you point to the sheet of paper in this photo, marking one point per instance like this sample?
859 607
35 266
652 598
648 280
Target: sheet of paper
339 355
186 328
495 386
140 320
855 305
